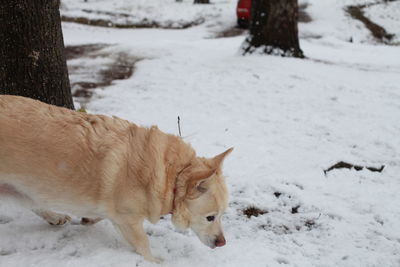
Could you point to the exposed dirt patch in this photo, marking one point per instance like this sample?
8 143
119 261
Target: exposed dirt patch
284 214
304 17
231 32
78 51
109 23
310 224
253 211
290 227
377 31
91 67
380 34
120 69
295 209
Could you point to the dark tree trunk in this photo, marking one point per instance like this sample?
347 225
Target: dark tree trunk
32 59
273 28
201 1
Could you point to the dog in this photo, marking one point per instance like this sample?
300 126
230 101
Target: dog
99 167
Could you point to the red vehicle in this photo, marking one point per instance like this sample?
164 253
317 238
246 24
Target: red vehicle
243 13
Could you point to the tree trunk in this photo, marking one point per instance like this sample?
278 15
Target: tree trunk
273 28
32 59
201 1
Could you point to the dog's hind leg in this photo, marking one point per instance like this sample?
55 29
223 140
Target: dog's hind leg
51 217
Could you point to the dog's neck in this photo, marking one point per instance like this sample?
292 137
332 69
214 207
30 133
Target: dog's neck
174 188
173 200
172 172
178 157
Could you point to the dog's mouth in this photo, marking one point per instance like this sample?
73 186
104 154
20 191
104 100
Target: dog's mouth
212 242
215 243
206 240
209 243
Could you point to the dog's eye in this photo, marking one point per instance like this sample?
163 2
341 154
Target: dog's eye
210 218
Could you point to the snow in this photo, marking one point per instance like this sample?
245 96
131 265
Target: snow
288 119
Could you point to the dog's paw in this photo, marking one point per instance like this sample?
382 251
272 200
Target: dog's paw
59 219
51 217
153 259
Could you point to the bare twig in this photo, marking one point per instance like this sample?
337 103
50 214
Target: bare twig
179 126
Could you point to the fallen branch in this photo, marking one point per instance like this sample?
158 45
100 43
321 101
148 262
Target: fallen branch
342 164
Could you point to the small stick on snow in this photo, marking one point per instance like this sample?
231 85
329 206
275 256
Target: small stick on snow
346 165
179 126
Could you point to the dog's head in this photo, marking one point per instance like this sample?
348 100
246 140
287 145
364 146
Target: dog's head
201 199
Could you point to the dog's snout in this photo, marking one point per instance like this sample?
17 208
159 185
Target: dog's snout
220 241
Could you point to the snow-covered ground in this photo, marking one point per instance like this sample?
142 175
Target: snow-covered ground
288 119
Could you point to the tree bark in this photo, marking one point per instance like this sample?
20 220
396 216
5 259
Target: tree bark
273 28
32 59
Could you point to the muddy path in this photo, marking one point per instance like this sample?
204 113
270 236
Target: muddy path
114 16
93 66
377 31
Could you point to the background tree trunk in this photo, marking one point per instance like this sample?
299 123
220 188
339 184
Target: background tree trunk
273 27
32 59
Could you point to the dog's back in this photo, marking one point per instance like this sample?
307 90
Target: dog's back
68 160
51 149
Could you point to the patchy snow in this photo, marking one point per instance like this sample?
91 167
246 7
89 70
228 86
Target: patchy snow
387 16
165 13
288 119
330 20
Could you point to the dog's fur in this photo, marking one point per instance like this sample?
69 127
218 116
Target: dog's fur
96 166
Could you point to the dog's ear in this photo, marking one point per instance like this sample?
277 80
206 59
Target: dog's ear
219 159
199 180
198 183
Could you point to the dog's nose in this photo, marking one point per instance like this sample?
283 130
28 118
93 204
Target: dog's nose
220 241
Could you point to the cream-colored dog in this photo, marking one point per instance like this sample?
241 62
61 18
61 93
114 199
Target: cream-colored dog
55 159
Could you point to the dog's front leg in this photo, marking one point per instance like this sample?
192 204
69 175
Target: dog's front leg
133 232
